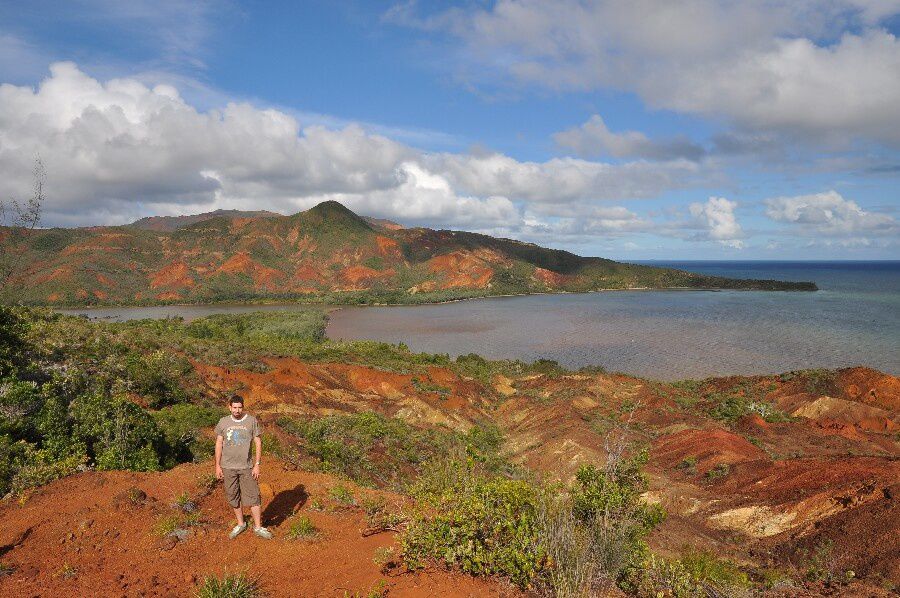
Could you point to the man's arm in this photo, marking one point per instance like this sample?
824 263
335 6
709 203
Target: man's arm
219 474
257 440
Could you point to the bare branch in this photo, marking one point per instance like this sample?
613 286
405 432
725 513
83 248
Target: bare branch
23 216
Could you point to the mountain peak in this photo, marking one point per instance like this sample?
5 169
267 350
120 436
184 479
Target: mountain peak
331 207
334 212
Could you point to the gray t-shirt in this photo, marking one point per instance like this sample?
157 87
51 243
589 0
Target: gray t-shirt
237 436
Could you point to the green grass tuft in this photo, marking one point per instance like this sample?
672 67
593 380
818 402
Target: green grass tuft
302 528
238 585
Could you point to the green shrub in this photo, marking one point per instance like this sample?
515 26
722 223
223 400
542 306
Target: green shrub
13 329
572 568
719 471
238 585
302 528
719 573
12 456
19 403
180 427
486 527
425 386
732 407
167 524
609 501
342 495
378 516
41 468
548 367
661 577
697 574
819 382
374 450
473 519
117 433
155 377
688 464
822 563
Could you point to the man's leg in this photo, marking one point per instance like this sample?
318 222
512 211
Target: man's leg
239 514
250 496
232 484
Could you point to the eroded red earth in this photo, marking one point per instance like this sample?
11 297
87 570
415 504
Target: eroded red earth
763 493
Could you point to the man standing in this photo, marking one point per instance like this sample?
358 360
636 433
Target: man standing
234 434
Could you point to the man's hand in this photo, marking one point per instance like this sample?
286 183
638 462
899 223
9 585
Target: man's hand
220 475
255 472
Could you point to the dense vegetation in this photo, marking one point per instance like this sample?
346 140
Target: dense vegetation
73 398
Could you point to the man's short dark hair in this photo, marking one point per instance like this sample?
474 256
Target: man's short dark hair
236 399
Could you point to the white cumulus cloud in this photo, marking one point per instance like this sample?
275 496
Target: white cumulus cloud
829 214
717 217
125 148
815 67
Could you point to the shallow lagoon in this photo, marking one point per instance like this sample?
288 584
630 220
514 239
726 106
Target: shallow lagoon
853 320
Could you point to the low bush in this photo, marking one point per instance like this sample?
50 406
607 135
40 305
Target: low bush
819 382
688 465
697 574
485 526
374 450
731 407
721 574
302 528
378 516
238 585
179 427
342 495
567 544
662 577
719 471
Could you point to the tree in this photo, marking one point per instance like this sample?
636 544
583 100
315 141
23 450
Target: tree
18 217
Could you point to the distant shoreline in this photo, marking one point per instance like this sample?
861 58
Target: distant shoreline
335 306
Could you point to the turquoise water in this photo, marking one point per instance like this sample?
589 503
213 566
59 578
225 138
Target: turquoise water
853 320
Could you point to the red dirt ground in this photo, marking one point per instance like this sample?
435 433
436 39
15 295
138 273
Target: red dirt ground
176 274
87 525
549 278
461 269
241 262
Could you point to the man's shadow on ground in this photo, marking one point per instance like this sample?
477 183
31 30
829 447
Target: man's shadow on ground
283 505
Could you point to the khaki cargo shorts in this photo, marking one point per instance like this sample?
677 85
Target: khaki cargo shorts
240 488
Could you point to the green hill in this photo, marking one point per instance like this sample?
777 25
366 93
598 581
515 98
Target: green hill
325 254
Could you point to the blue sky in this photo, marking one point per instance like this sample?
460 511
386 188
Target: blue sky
631 130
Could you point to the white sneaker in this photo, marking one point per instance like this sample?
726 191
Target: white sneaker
263 533
237 531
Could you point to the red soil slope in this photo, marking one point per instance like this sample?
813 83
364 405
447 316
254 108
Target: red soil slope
86 536
762 493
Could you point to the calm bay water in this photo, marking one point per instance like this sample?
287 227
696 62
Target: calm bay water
853 320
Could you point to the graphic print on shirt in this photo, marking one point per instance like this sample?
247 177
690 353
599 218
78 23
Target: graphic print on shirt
235 436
